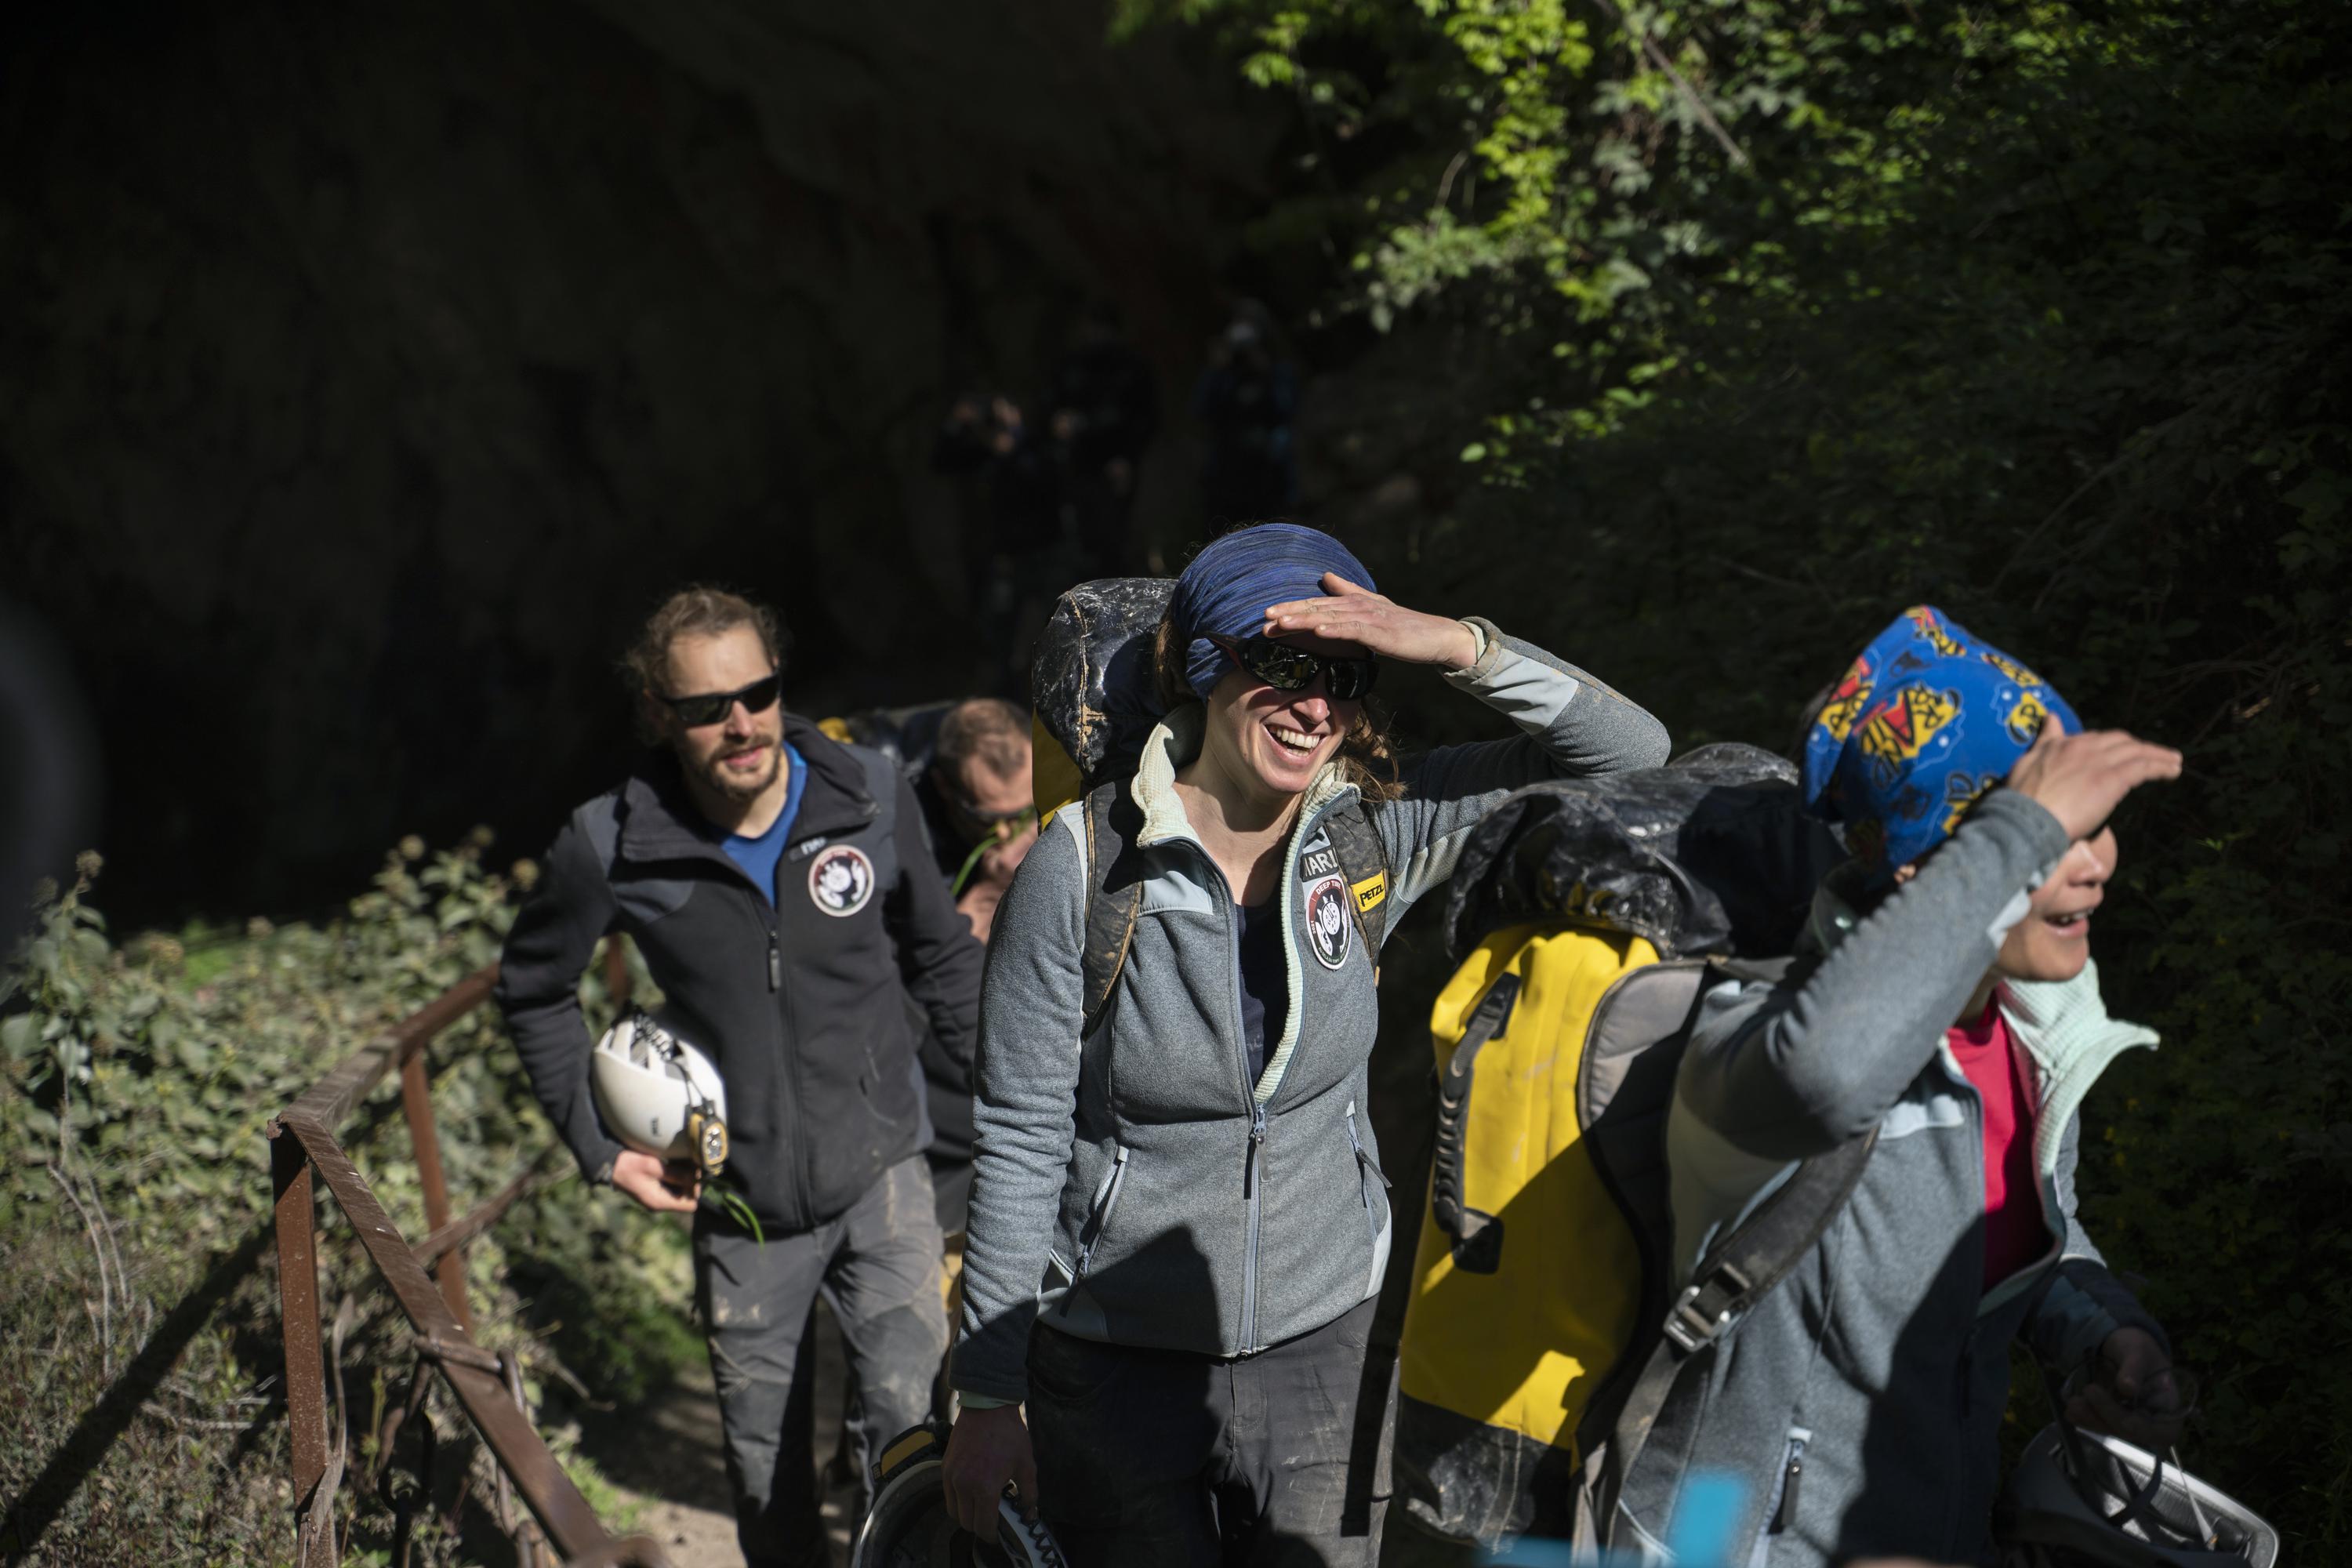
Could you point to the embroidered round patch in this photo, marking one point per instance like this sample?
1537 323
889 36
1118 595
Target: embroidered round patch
841 879
1328 924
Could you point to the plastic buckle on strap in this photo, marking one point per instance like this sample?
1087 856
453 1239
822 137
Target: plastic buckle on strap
1703 1312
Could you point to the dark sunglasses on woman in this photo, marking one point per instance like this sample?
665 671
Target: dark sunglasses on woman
711 707
1288 669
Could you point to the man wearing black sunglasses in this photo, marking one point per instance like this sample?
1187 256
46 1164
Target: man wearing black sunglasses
779 887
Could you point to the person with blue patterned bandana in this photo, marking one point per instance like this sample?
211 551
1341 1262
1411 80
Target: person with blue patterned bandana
1944 996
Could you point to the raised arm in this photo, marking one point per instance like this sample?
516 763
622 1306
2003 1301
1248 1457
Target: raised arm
552 939
1571 726
1024 1112
1819 1062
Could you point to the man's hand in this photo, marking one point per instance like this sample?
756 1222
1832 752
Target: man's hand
1348 613
2133 1394
2081 779
986 1449
663 1186
977 903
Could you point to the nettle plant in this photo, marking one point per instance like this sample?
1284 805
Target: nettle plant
137 1081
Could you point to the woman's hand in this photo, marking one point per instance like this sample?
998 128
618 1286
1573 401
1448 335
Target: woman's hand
1381 626
986 1448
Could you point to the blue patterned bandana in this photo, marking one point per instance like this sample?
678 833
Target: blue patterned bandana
1925 722
1228 588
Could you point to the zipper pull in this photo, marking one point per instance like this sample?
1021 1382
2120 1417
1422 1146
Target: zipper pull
1249 1171
1785 1516
775 963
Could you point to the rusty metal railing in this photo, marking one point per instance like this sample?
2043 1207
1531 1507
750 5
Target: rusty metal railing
488 1386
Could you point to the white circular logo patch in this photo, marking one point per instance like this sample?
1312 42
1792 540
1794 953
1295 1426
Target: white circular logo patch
1328 924
841 879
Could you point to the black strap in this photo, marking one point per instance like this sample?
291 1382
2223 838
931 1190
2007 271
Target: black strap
1364 861
1114 895
1738 1272
1115 886
1477 1235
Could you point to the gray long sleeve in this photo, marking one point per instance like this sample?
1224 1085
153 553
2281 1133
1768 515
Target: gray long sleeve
1571 726
1025 1110
1822 1062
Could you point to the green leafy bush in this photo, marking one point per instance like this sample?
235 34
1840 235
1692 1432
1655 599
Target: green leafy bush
1762 319
138 1304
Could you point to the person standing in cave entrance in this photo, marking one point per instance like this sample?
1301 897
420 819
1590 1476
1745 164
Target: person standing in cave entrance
1247 400
1022 555
1103 411
778 884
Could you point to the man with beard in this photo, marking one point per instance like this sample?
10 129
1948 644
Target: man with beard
778 884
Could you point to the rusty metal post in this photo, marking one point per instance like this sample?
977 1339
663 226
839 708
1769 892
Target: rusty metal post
298 1308
416 1104
617 982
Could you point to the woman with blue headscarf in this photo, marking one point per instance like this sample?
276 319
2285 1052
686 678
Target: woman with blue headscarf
1184 1202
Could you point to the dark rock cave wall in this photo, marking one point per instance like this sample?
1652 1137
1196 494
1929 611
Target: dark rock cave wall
363 372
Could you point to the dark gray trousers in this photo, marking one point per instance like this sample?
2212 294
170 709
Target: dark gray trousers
878 1268
1150 1459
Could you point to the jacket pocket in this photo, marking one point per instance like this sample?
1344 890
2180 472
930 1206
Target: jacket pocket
1368 1176
1099 1213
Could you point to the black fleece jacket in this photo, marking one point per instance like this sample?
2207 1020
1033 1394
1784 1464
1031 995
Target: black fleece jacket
798 1003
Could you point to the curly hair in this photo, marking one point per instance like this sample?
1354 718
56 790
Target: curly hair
1367 752
698 610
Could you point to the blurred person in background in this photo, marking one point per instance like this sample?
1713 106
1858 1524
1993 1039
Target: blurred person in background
1021 552
1247 402
1103 411
980 821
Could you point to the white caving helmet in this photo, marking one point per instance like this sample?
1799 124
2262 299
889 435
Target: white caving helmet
658 1094
2080 1499
909 1526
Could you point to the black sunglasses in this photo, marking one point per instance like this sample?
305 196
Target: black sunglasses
711 707
1288 669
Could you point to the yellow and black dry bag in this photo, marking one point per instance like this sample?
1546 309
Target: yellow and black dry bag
1586 916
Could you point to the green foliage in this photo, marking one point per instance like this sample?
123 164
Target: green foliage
138 1087
1788 313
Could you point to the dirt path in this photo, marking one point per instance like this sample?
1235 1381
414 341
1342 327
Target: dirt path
667 1455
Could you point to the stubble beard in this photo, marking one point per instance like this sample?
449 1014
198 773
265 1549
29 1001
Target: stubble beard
716 774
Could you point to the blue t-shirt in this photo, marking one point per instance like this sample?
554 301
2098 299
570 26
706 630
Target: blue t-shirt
1266 979
757 855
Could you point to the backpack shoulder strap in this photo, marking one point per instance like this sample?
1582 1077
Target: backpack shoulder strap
1364 861
1114 894
1738 1272
882 781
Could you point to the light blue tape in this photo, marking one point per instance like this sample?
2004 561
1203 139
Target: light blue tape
1700 1537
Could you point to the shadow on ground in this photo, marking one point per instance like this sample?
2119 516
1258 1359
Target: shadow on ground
667 1454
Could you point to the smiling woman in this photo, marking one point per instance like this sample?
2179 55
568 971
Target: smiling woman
1212 1232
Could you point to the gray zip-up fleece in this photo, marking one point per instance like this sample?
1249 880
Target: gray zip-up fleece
1136 1186
1862 1399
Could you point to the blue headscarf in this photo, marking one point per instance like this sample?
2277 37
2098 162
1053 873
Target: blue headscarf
1925 722
1229 586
